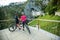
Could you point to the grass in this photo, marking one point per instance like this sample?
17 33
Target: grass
52 27
50 17
58 10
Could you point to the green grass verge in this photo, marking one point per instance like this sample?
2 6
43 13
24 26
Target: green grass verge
52 27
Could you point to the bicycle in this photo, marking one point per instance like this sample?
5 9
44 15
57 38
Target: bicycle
13 27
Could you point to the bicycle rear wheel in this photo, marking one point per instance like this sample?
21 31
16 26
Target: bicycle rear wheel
12 27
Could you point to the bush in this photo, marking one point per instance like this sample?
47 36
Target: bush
5 24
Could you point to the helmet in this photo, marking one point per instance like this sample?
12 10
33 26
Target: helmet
22 13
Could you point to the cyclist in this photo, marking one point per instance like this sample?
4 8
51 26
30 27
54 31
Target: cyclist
17 21
23 19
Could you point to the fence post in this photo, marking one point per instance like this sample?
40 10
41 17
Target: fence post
38 24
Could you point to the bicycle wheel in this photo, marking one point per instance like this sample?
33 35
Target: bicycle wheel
28 29
12 27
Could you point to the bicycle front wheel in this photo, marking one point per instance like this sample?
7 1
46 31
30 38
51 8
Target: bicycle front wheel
12 27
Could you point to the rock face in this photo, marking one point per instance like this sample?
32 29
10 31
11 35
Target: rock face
30 6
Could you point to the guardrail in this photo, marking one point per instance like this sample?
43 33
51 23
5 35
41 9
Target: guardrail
48 20
36 19
7 20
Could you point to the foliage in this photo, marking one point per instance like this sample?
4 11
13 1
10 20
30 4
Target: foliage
51 7
8 12
1 14
49 17
52 27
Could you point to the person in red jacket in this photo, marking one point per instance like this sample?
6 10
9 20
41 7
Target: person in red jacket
23 19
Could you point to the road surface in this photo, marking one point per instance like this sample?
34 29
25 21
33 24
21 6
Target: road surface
24 35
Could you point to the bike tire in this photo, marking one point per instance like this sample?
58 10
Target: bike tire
12 28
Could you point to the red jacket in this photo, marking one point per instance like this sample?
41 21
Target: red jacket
23 18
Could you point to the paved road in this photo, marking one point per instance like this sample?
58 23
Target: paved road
23 35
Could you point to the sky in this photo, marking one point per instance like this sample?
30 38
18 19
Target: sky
6 2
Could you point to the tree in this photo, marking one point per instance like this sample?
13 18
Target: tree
58 4
51 7
2 15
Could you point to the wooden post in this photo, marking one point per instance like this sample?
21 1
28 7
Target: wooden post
38 24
